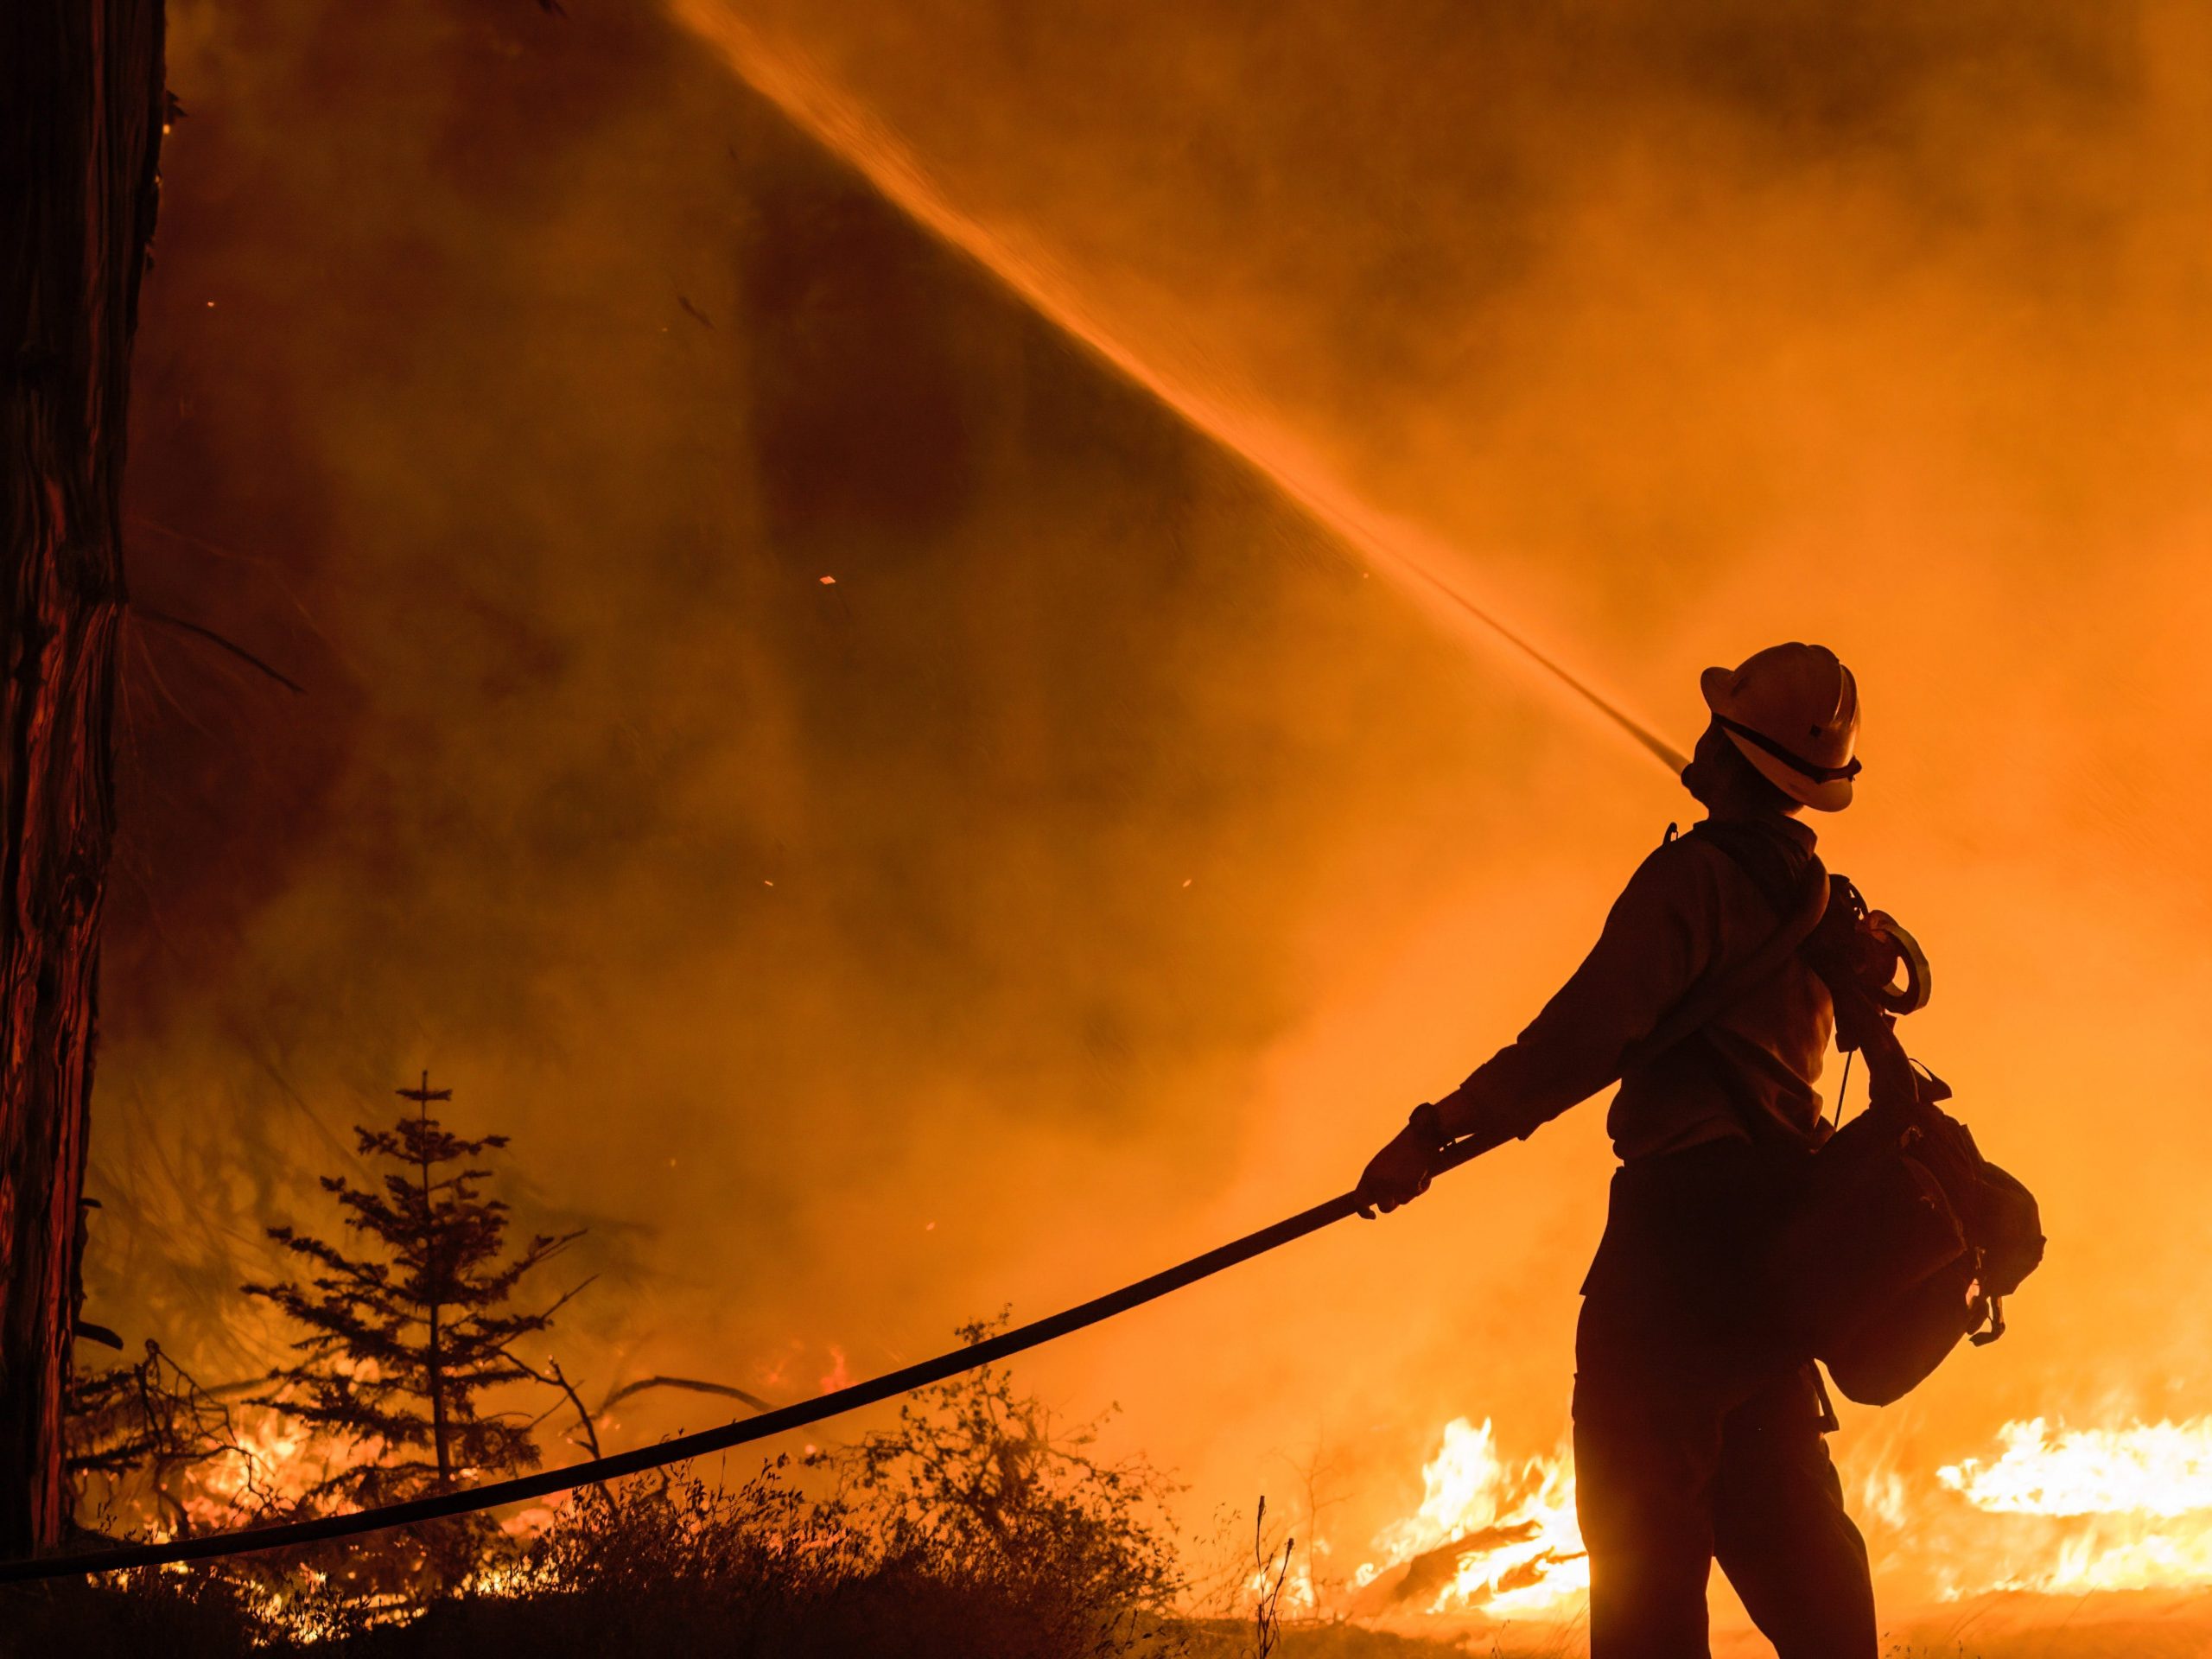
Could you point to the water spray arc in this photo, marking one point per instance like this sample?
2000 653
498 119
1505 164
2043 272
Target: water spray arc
1400 547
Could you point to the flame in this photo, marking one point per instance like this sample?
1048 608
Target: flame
2161 1468
270 1457
1490 1536
2056 1512
2096 1509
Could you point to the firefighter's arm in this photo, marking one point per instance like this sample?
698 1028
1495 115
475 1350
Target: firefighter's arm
1660 936
1659 939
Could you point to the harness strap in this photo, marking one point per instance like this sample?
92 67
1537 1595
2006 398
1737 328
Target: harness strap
1722 989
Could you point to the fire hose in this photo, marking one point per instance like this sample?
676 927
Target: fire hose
544 1483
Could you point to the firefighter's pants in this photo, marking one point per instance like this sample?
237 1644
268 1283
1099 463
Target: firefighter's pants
1688 1449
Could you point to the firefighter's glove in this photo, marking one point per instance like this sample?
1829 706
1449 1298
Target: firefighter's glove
1397 1174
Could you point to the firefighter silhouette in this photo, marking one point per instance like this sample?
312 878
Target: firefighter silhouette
1694 1440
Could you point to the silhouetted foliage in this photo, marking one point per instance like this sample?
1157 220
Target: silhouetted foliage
974 1529
403 1339
140 1431
977 1484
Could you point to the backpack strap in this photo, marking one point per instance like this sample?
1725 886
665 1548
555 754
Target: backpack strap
1724 987
1770 863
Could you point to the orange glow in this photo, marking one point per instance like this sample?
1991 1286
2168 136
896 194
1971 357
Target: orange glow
1101 368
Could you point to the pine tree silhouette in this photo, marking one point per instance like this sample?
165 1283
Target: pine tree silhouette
402 1343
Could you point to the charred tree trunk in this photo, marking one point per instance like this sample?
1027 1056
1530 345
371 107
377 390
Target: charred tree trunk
81 102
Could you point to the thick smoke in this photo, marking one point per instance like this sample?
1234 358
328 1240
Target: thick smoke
512 381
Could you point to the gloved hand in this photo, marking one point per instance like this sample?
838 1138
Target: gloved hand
1397 1174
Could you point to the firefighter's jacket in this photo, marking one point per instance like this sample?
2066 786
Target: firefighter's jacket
1690 906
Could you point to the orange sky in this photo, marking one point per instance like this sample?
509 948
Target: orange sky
1674 330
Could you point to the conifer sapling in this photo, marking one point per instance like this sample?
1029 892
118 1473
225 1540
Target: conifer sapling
403 1339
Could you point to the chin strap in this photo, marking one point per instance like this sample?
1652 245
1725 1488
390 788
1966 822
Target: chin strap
1796 763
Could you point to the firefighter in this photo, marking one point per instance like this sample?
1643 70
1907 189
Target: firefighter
1692 1442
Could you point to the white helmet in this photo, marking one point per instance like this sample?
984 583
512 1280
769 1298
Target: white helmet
1793 710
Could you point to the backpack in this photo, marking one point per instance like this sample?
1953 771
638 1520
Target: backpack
1897 1236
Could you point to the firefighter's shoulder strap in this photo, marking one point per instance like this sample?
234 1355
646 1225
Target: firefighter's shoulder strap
1729 983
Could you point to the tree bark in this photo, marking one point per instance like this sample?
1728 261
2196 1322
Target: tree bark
81 103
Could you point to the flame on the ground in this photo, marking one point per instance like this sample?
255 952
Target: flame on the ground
2163 1468
1490 1536
269 1459
2100 1508
2053 1510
